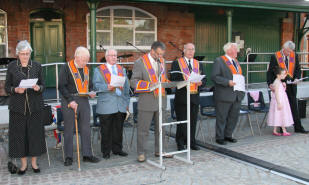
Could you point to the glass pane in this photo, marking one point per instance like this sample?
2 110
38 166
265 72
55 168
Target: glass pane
122 13
2 21
2 51
123 21
103 23
105 12
141 14
144 39
2 36
122 35
144 25
103 39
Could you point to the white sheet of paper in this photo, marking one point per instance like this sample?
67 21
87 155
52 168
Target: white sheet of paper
240 83
117 81
195 77
296 80
28 83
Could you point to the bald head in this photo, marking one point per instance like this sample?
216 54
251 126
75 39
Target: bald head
189 50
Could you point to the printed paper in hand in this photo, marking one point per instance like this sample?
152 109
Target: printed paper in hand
296 80
28 83
117 81
240 83
195 77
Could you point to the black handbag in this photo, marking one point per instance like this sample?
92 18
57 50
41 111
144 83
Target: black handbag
47 115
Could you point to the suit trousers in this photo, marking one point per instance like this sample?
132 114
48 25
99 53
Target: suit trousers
143 124
181 132
111 132
83 121
291 91
227 114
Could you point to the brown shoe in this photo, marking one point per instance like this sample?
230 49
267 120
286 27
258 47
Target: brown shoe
166 156
141 158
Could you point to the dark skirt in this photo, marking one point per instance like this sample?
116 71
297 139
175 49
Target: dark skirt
26 135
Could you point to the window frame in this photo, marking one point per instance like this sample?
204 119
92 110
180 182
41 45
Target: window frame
112 26
6 32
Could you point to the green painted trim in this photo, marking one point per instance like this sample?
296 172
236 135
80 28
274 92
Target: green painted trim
229 15
93 4
235 3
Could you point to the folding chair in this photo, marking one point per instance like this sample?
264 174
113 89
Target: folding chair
95 124
134 127
243 112
60 128
257 106
207 110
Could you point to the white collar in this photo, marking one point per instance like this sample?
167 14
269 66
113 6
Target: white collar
228 57
76 64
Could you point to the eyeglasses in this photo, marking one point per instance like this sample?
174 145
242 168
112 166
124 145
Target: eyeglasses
112 55
24 54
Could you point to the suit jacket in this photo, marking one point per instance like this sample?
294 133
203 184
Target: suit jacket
108 101
273 64
221 75
181 94
146 101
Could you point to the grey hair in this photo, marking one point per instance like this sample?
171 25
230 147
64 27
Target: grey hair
228 46
289 45
158 44
186 45
81 51
22 46
109 50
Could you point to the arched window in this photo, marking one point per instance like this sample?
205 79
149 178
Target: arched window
117 25
3 35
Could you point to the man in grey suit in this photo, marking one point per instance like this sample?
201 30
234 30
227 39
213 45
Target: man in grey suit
146 72
112 104
227 100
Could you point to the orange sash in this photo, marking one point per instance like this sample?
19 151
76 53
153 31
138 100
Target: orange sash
185 69
281 63
142 85
106 73
81 86
231 66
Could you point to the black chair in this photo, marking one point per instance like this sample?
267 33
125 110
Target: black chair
49 127
258 106
207 110
173 116
134 127
243 112
60 128
95 124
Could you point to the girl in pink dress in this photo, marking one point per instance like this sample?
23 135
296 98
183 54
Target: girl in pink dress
280 114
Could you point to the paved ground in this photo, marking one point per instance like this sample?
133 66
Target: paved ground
208 168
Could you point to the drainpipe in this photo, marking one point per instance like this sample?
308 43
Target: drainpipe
229 14
296 31
93 4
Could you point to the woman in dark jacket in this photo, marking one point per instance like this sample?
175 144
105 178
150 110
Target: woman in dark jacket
26 130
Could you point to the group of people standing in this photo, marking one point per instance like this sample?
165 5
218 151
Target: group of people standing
26 131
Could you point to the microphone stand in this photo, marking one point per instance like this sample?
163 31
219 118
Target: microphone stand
171 43
129 43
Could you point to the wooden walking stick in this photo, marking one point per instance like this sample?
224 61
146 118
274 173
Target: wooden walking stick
77 139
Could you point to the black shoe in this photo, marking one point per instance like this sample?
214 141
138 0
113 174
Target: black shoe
230 139
106 156
121 153
301 131
36 170
220 142
68 161
180 147
194 147
22 172
91 159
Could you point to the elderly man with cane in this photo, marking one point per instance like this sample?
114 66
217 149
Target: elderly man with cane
74 87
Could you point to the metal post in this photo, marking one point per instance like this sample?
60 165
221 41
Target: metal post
93 42
296 30
160 122
247 71
229 14
57 83
188 121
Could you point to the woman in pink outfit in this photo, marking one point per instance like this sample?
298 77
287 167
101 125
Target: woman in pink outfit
280 114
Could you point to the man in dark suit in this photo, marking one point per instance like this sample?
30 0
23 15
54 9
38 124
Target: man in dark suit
288 60
227 101
185 65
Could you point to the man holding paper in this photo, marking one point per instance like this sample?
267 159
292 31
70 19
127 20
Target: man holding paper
74 85
183 69
227 99
288 60
113 102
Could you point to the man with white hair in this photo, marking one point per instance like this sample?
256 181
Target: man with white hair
288 60
74 86
112 105
227 101
186 65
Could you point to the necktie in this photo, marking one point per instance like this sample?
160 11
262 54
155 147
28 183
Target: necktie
190 66
118 92
235 65
286 62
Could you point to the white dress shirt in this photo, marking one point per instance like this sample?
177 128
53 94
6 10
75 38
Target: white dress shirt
109 67
191 62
